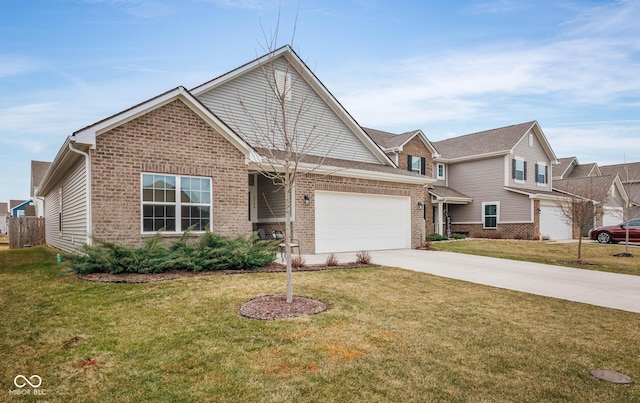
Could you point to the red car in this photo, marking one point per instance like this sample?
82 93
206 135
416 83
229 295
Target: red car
616 233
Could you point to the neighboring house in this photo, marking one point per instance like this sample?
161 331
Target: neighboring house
4 217
629 174
38 170
497 183
606 192
411 151
193 158
20 208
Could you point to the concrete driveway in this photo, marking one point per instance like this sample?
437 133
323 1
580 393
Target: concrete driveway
618 291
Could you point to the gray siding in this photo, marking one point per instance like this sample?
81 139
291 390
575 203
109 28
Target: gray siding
320 131
532 155
74 211
484 181
271 200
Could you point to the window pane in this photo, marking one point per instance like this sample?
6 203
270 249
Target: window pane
490 209
490 222
147 181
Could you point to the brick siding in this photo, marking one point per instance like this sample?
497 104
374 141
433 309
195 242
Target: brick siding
170 140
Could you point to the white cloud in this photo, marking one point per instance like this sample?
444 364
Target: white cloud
13 65
602 142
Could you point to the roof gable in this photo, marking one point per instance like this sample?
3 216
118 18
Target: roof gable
390 142
244 97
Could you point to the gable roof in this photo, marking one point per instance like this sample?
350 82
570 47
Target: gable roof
490 143
390 142
85 138
310 79
594 188
564 167
583 170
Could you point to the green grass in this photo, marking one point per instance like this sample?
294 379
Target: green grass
594 256
388 335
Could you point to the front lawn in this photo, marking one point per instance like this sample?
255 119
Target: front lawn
594 256
388 335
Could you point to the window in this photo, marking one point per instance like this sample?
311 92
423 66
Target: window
542 173
519 169
490 215
416 164
162 209
283 85
441 171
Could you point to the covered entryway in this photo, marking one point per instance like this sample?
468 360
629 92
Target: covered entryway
360 221
552 222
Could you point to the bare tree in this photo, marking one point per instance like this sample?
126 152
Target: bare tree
582 203
287 130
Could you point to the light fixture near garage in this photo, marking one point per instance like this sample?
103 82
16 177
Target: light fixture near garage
306 200
420 205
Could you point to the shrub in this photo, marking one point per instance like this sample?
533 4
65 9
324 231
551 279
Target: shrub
211 252
459 236
436 237
363 257
298 261
332 260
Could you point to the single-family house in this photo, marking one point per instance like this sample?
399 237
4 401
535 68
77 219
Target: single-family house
197 159
21 208
497 183
606 192
588 181
629 174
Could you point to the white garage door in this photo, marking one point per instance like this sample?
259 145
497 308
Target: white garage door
355 221
612 216
552 224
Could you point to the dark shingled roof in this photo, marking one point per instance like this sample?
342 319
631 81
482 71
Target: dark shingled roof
491 141
447 192
595 188
388 140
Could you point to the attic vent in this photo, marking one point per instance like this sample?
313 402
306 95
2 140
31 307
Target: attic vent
283 85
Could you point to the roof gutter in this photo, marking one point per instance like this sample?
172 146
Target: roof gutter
87 162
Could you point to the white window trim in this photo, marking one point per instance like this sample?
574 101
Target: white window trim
543 165
497 204
177 203
444 171
524 168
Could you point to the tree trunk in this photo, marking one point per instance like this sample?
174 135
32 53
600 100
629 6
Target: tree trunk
287 236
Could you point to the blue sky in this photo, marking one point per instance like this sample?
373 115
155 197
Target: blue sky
446 67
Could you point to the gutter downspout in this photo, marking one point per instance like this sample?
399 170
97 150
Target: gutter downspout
87 165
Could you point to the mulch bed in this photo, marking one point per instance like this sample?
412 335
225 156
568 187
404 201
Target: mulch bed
271 307
174 275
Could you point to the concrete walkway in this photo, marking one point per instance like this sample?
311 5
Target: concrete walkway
618 291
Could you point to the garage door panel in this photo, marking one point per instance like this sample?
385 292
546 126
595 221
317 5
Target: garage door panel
552 223
354 221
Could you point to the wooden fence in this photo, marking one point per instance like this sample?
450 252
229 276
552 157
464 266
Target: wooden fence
25 232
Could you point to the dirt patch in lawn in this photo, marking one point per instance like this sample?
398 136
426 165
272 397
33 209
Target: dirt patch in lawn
174 275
